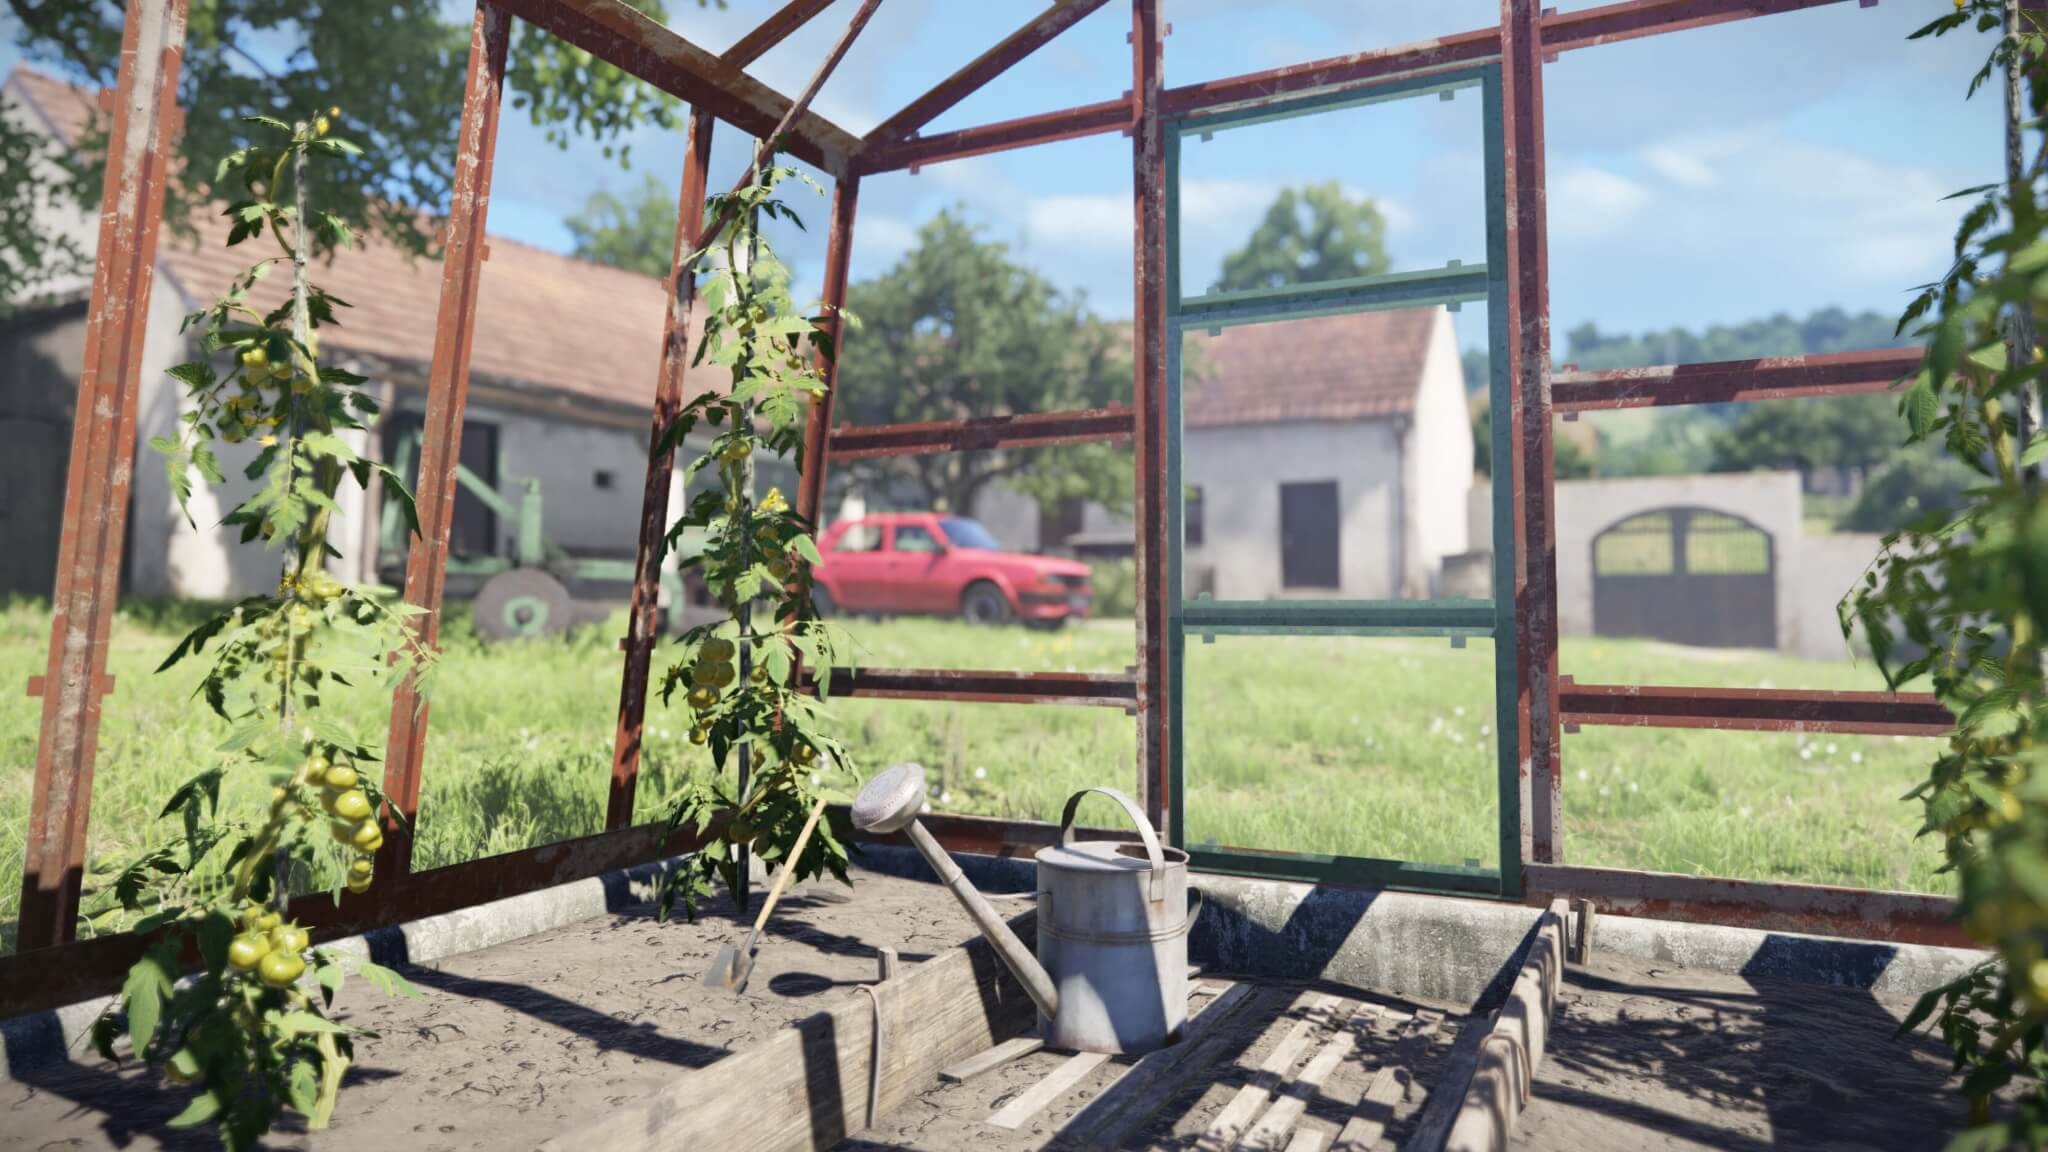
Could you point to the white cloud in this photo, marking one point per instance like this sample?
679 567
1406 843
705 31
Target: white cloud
1080 221
1587 201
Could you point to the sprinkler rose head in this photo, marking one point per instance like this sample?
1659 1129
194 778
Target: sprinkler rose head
891 800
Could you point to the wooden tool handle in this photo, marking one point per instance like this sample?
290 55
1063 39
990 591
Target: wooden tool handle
788 866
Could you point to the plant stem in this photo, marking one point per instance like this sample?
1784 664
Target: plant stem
331 1068
2019 337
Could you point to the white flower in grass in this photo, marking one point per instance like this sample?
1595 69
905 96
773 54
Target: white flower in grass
1585 775
1806 753
1632 786
1457 737
1743 811
1458 711
1603 789
1831 749
814 779
981 773
945 797
1855 757
924 808
1763 684
532 742
1485 730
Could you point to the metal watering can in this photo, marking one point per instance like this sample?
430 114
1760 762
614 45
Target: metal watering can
1111 970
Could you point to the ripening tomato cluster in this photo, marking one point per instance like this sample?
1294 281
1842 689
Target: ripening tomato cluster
268 948
354 824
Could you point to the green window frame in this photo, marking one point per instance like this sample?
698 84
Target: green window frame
1455 620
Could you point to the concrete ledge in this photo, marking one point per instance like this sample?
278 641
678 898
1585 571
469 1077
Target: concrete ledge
1902 969
1491 1091
44 1038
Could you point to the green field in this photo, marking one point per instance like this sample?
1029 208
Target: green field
1370 747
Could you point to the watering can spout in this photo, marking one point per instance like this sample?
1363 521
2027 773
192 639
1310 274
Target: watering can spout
890 803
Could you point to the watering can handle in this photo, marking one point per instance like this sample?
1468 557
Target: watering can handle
1145 833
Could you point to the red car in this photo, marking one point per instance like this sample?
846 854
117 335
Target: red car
932 565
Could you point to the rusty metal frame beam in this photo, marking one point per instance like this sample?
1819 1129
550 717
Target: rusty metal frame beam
818 435
1041 30
644 620
772 31
1528 354
426 565
1151 441
1034 430
620 34
145 113
1753 709
1772 905
1109 690
1729 381
1001 136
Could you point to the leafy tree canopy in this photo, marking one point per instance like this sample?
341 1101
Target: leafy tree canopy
958 329
636 232
395 69
1309 235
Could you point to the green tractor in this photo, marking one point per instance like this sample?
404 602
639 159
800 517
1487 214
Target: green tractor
541 589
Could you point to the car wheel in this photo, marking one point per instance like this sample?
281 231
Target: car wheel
984 604
1052 625
821 602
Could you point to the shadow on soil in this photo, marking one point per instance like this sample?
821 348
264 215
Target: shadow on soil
1820 1063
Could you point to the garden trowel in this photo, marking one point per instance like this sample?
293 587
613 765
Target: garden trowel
734 964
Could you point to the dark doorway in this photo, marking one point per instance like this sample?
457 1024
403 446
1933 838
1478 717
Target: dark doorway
1689 576
1308 535
474 531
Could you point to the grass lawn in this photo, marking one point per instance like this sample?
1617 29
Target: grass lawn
1343 746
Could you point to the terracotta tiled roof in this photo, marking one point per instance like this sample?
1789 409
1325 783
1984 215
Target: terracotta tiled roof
1353 367
544 321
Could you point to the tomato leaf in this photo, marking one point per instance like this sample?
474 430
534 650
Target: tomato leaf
302 1022
386 981
203 1107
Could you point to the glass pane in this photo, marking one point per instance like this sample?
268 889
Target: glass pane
1764 187
995 286
1711 545
1272 204
1332 458
1383 748
1013 761
1032 572
1812 808
1211 41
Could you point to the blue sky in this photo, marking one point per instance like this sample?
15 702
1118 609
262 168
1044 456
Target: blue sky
1778 164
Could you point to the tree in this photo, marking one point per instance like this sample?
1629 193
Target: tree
1317 233
32 174
636 234
395 68
1848 435
1918 483
957 329
1823 331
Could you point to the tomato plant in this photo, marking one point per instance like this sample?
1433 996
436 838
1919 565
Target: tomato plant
740 675
249 1029
1962 600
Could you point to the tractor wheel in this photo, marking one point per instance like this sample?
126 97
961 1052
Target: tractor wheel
523 603
984 604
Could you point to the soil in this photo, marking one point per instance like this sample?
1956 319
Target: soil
1387 1033
1644 1055
509 1044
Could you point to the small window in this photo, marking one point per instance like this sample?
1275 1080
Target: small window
859 538
602 479
1191 516
968 534
915 538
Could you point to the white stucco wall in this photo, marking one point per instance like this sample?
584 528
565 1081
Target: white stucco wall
1830 566
55 216
1240 471
1439 462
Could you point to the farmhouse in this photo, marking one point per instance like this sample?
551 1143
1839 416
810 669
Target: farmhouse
562 378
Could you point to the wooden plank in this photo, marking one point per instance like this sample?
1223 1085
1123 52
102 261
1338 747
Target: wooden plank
995 1057
1447 1095
806 1088
1503 1075
1237 1116
1271 1131
1307 1140
1116 1114
1056 1084
1369 1120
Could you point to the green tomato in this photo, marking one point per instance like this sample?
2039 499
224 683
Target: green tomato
247 951
340 778
289 938
281 969
367 837
352 805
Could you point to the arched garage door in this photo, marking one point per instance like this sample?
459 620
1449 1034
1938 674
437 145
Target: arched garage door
1687 575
